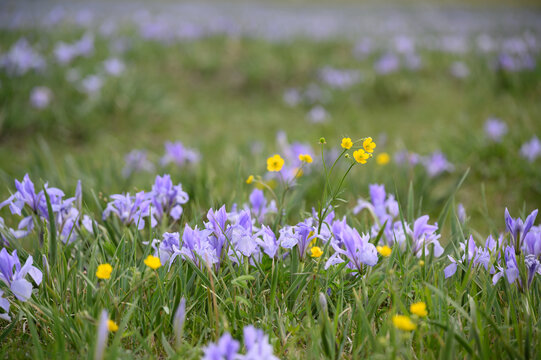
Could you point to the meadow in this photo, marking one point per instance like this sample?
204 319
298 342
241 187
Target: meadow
185 191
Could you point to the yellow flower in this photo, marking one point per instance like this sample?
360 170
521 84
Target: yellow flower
275 163
385 251
250 179
383 159
421 263
403 323
153 262
369 145
347 143
104 271
361 156
316 252
419 309
305 157
112 326
298 172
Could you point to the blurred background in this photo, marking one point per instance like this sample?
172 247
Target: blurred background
115 92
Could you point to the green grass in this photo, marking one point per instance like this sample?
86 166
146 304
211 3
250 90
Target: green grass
220 95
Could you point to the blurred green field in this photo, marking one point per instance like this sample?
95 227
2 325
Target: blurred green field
222 94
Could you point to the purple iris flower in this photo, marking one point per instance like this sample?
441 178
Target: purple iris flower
166 199
40 97
129 209
495 129
227 348
461 213
220 232
168 248
266 239
517 228
339 78
257 345
387 63
474 255
21 58
136 161
356 248
531 150
114 66
423 235
532 241
299 235
13 275
510 267
4 305
242 238
259 205
179 155
437 164
196 246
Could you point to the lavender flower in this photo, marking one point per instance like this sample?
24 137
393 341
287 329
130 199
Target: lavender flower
266 239
257 345
15 278
387 63
437 164
91 84
129 209
168 248
178 320
517 228
166 199
339 79
136 161
473 255
21 58
101 338
259 206
4 305
292 97
40 97
114 66
356 248
531 150
300 235
461 213
226 349
196 246
179 155
423 235
495 129
317 115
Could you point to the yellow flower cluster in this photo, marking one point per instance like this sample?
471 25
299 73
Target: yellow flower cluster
305 158
404 323
363 154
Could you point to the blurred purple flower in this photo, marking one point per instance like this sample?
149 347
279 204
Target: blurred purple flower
40 97
21 58
437 164
136 161
531 150
114 66
317 115
257 345
178 154
91 84
495 129
387 63
226 349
